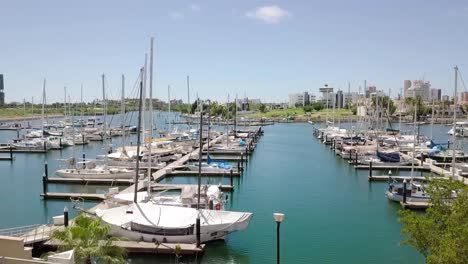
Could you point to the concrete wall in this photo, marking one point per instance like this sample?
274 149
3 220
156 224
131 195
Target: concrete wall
14 247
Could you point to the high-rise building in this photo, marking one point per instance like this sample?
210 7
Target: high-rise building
406 86
299 99
445 98
2 93
339 102
436 94
327 96
419 88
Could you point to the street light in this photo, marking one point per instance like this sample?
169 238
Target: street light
278 218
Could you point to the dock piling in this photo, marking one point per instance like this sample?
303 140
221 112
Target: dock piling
11 153
404 191
44 184
46 169
65 216
232 180
370 170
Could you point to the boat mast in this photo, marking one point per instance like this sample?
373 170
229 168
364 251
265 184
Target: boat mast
150 106
104 133
122 113
169 104
209 125
143 78
454 122
388 108
414 139
432 117
65 103
200 153
72 113
188 99
43 107
135 179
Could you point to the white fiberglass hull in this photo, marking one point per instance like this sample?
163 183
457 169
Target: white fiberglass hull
151 222
95 174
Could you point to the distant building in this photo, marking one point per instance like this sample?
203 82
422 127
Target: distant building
463 98
245 103
420 88
339 102
370 90
445 98
2 93
312 98
327 96
436 94
406 86
299 99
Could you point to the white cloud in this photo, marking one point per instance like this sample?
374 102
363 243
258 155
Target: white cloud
268 14
195 7
176 15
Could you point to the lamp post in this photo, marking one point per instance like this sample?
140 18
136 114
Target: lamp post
278 219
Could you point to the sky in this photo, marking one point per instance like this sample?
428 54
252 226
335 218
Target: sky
261 49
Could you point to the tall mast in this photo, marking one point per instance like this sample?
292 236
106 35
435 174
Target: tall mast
65 102
81 105
104 102
414 140
135 179
143 77
122 113
72 113
150 106
169 104
209 124
454 122
43 107
24 111
235 117
188 99
432 117
388 108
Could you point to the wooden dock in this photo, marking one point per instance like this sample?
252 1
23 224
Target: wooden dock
415 205
181 173
2 150
42 234
391 167
163 187
385 178
82 181
65 196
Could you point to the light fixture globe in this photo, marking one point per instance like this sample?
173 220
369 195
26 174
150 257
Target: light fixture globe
278 217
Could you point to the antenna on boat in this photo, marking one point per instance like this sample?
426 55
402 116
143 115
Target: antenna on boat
138 138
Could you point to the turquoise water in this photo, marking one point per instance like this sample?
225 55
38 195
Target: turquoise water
333 214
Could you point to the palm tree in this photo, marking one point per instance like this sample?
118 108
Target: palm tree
90 239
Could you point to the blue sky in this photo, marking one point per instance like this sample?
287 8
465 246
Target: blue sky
265 49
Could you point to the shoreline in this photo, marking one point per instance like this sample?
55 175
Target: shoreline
36 117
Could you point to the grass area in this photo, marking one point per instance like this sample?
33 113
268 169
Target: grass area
19 112
298 113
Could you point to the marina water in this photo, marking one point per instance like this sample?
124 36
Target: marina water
333 214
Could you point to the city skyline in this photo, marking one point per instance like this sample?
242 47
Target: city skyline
265 50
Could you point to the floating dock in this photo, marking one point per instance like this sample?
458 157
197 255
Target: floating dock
90 181
65 196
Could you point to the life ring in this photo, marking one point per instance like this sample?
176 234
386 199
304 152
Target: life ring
218 206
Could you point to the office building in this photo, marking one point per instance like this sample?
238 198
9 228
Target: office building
327 96
339 102
299 99
420 88
406 86
436 94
